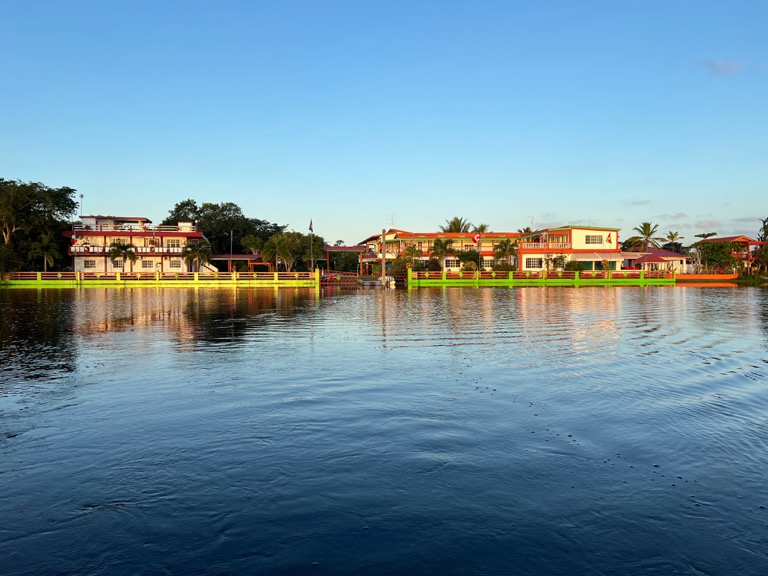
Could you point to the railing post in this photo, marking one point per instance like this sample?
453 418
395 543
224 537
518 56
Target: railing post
117 276
234 276
197 276
275 276
317 276
39 276
443 274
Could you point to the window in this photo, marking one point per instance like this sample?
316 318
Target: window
118 264
147 264
534 263
173 242
451 263
89 263
418 245
488 262
175 263
593 239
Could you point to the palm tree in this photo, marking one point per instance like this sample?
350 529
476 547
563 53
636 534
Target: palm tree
672 237
285 246
410 253
196 253
481 228
47 249
505 250
456 224
120 249
440 249
646 236
526 230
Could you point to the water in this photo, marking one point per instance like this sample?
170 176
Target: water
458 431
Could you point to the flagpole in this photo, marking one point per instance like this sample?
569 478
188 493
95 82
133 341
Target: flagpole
311 248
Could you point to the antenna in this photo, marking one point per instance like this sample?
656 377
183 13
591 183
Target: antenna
81 205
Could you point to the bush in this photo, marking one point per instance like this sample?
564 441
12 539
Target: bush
574 266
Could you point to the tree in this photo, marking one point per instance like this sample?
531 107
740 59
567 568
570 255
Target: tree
718 256
762 235
196 253
411 253
122 250
223 224
646 236
470 259
184 211
440 249
286 246
505 250
526 230
456 224
253 243
705 235
25 206
46 249
481 228
673 238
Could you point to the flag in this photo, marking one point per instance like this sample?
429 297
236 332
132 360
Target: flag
310 225
476 238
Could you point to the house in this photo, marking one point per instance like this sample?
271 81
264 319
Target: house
393 243
744 248
657 259
159 248
596 248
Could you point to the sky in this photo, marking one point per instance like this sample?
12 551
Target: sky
361 115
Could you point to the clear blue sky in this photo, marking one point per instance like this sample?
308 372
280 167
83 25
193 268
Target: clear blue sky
361 115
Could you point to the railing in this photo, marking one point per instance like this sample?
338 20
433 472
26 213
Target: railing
133 228
545 245
156 250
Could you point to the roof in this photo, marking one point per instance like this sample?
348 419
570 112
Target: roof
659 252
650 259
743 239
595 256
564 228
121 218
395 234
329 248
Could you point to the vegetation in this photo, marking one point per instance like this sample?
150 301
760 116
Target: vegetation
506 250
713 257
224 224
45 249
646 236
440 249
120 250
196 253
456 224
470 259
29 211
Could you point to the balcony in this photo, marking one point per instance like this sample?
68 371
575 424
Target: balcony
82 250
134 228
546 246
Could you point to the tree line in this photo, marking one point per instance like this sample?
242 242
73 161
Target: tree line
33 217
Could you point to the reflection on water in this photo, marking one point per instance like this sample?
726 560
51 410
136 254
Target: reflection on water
442 431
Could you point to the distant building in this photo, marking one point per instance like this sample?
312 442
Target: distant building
596 248
744 248
395 241
158 248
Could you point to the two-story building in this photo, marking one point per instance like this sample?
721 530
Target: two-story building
158 248
596 248
394 242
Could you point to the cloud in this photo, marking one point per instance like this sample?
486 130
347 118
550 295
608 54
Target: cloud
722 67
708 225
638 202
676 216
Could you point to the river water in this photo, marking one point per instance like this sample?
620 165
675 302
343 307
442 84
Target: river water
447 431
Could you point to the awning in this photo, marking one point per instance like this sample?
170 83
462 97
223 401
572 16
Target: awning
597 257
